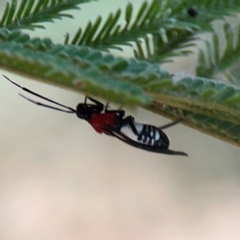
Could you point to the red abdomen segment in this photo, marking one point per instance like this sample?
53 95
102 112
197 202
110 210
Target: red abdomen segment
99 121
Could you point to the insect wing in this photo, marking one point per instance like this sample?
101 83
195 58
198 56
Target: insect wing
150 148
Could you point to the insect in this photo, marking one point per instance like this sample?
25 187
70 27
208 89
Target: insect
114 123
192 12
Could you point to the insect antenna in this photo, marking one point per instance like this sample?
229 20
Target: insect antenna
47 106
71 110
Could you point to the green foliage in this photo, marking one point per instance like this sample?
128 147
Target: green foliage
220 58
30 12
157 31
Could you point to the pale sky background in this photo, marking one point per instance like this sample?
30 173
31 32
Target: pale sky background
60 180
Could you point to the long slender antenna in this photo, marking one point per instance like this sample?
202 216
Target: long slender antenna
40 96
45 105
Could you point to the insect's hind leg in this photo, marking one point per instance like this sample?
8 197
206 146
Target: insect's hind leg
175 122
130 120
170 124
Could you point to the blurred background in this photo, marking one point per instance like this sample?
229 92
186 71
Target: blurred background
59 179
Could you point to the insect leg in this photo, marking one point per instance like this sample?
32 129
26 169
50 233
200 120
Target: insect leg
120 113
170 124
98 106
130 120
94 101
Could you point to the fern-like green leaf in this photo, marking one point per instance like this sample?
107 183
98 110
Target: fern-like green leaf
112 33
150 19
211 62
30 12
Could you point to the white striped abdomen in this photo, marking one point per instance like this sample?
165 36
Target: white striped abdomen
146 134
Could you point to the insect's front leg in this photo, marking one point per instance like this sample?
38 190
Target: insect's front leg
98 105
94 101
